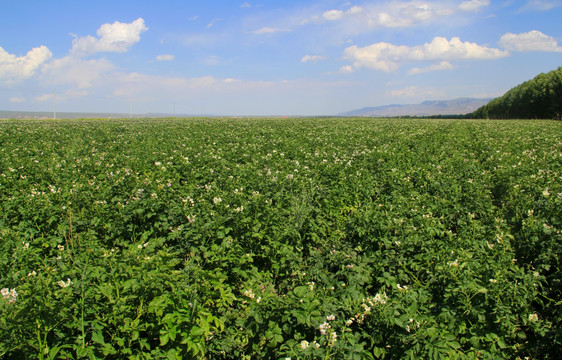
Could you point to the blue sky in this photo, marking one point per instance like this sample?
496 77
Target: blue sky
260 57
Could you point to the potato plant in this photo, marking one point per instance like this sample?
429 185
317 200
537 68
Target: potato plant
280 239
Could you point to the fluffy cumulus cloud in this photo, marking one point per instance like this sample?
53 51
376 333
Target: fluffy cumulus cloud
473 5
73 69
529 41
388 57
14 68
117 37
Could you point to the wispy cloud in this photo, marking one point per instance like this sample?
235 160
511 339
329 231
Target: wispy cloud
313 58
346 69
61 97
165 57
76 72
473 5
213 22
270 30
44 97
17 99
443 65
213 60
541 5
392 14
354 19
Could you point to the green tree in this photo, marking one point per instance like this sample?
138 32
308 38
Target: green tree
539 98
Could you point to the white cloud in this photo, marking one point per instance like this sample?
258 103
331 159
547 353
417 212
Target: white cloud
346 69
387 14
13 68
75 71
473 5
354 10
420 12
17 99
212 60
540 5
313 58
213 22
385 19
246 5
336 14
388 57
117 37
530 41
165 57
269 30
415 92
61 97
333 14
44 97
443 65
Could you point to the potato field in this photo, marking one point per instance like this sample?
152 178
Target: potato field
328 238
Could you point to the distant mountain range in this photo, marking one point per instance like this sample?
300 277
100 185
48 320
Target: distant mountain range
458 106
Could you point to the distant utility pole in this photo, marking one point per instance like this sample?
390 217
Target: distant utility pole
174 109
54 104
131 110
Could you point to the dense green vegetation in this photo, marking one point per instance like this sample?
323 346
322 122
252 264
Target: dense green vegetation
539 98
276 239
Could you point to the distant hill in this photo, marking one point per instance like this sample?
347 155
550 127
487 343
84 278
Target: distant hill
458 106
539 98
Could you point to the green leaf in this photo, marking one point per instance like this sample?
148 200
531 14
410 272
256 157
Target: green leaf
196 331
379 352
97 337
164 338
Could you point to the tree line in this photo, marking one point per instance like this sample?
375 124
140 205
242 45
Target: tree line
539 98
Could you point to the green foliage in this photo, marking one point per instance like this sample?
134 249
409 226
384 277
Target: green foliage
280 238
539 98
